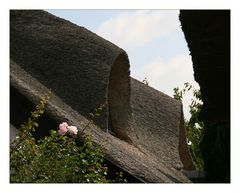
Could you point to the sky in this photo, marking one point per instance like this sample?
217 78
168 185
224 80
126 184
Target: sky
93 21
153 40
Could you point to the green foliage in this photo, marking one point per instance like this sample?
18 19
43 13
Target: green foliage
194 127
30 125
119 178
56 158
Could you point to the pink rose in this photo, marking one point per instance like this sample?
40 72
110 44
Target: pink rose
72 130
63 128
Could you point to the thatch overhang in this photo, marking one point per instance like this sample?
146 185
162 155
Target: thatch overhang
82 68
142 165
160 125
141 129
207 33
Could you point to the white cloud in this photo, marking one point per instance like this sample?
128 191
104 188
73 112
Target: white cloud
161 73
136 28
166 75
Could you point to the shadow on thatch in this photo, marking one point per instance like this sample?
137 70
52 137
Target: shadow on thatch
207 33
84 70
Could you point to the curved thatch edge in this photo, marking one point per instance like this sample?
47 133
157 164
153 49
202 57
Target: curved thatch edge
118 99
80 67
141 165
159 124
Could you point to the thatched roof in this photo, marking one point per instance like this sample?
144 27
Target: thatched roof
159 124
84 70
75 63
207 33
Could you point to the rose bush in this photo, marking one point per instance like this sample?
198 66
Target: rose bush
56 158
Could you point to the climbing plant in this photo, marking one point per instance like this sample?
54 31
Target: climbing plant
194 127
56 158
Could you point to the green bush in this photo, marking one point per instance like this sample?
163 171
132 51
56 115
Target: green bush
194 127
56 158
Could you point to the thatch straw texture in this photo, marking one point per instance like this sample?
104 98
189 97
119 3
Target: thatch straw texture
80 67
84 70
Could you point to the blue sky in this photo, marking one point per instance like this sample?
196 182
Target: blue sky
92 21
153 40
